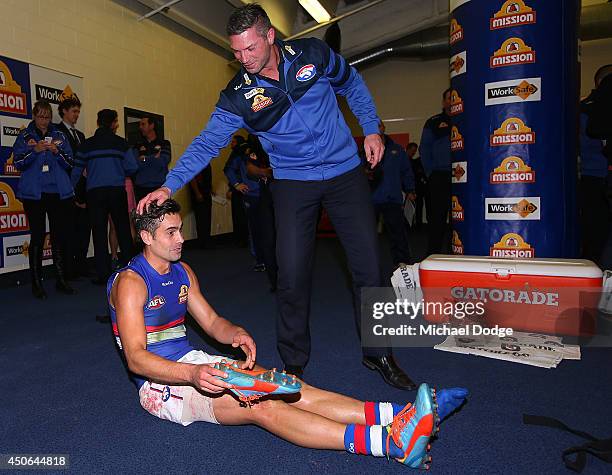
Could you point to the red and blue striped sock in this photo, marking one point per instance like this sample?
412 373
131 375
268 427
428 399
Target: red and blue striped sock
381 413
370 440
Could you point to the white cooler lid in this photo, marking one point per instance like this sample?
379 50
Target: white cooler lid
536 266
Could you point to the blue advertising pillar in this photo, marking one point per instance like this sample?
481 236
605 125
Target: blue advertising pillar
514 79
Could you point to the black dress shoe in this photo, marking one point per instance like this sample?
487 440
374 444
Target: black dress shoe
298 371
390 371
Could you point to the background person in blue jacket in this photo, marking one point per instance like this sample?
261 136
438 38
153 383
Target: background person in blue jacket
436 159
240 182
43 156
107 159
154 155
388 200
285 93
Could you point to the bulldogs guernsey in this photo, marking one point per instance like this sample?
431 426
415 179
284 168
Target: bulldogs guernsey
164 313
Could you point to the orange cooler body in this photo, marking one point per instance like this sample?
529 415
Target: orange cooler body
552 296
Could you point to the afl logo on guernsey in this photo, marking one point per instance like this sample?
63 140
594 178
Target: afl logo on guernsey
305 73
156 302
166 393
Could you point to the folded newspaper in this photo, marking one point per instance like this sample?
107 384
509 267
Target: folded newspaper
534 349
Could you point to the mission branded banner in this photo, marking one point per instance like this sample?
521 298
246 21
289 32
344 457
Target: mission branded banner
514 94
21 85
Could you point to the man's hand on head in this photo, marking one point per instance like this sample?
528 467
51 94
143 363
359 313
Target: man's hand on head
374 149
246 343
158 196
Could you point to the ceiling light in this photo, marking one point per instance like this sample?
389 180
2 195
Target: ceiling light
316 10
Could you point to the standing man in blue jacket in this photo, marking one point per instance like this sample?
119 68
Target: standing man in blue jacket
285 93
107 159
436 157
154 155
388 200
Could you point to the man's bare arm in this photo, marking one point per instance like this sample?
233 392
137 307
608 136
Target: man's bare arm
216 326
129 297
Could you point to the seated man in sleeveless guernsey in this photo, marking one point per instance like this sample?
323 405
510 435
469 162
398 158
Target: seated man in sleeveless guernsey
148 301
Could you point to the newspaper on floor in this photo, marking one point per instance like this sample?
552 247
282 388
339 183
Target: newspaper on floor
533 349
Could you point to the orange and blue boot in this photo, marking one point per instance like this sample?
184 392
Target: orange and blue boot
413 427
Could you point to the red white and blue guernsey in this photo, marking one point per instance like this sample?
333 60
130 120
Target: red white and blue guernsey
164 312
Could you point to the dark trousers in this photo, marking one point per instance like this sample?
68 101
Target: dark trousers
239 219
203 215
267 232
393 217
59 212
594 216
421 194
251 205
438 206
81 235
101 202
296 205
141 191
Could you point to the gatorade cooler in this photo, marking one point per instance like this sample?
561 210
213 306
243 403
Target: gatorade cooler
552 296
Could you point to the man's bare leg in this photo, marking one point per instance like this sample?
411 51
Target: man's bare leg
330 405
295 425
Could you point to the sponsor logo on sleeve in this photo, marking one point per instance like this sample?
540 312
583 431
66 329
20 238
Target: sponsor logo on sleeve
458 64
512 131
456 139
456 244
456 209
456 106
12 216
459 172
512 170
521 208
512 51
305 73
11 98
260 101
156 302
456 32
253 92
512 13
514 90
512 246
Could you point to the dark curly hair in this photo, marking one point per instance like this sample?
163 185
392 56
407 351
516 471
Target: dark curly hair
152 217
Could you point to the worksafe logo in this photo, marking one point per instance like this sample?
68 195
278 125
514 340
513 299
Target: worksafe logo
456 139
459 172
512 131
456 209
512 51
260 101
456 105
458 64
512 246
11 98
54 96
23 249
512 13
456 32
527 208
512 170
456 244
12 217
514 90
